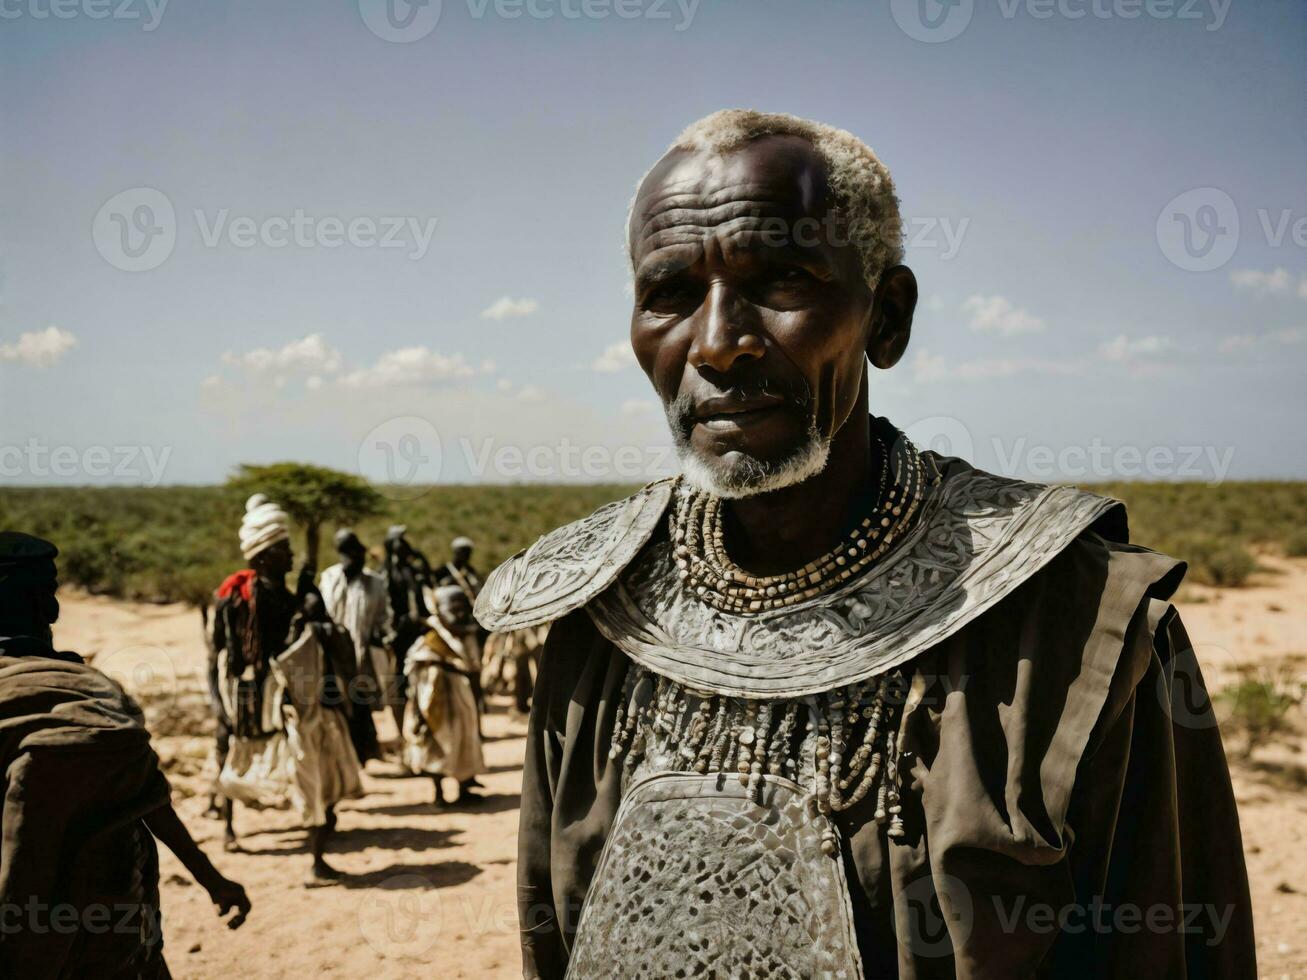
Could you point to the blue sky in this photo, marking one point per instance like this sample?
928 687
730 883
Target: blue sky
454 301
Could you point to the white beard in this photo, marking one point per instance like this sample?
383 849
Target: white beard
749 477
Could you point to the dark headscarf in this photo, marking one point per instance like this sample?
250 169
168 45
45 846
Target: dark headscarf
27 562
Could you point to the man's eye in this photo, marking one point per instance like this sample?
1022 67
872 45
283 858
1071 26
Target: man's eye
792 276
668 296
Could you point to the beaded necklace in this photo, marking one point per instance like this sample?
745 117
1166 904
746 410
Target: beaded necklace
706 570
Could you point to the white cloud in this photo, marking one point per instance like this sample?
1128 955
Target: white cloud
1260 283
506 306
39 348
1236 342
1248 341
531 393
1123 348
929 367
212 381
638 406
997 314
932 367
409 366
503 384
310 354
618 357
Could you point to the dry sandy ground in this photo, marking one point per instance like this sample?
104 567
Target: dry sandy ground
432 893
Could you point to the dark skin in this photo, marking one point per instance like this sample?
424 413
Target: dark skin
163 822
272 565
745 281
353 556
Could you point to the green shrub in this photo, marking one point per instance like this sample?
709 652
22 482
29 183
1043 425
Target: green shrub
1215 561
1259 705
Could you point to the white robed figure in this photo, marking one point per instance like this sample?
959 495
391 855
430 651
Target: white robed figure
355 598
290 743
441 732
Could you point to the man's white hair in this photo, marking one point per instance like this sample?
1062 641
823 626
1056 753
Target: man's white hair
860 184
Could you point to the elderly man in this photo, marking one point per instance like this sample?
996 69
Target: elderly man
441 729
827 705
291 746
84 800
355 598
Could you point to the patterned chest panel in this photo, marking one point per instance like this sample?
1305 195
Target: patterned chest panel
699 879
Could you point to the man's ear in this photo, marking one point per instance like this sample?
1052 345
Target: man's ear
891 316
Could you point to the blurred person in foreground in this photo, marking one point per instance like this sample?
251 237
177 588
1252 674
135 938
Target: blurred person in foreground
355 597
441 721
828 705
282 678
84 801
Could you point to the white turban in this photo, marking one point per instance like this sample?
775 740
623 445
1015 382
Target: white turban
265 524
460 542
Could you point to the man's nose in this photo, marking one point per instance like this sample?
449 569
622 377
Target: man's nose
725 331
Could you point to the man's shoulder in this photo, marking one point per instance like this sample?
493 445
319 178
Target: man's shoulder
570 565
64 690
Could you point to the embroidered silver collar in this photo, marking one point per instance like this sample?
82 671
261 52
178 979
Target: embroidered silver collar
979 537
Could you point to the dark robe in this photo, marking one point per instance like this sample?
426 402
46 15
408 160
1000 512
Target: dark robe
1047 779
79 873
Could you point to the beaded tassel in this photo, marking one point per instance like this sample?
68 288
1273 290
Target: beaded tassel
751 738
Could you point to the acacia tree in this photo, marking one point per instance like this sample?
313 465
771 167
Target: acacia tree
311 496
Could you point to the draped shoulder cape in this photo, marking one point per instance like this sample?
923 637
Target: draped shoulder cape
79 774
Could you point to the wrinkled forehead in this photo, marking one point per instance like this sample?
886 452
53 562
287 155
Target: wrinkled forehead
701 192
